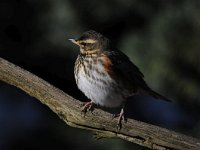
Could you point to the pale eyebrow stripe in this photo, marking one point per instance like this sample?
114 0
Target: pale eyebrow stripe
88 41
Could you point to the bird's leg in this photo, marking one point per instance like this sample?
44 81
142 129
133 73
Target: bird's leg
120 118
87 106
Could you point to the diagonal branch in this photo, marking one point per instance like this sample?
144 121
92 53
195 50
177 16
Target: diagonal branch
68 109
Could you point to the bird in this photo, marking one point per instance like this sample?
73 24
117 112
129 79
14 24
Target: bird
106 75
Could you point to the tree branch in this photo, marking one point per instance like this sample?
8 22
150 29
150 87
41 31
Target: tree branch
68 109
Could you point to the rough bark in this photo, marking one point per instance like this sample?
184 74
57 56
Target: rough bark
100 122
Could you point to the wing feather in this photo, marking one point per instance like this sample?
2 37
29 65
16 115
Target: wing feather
124 71
128 75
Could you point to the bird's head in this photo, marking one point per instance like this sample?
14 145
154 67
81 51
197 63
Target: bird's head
91 42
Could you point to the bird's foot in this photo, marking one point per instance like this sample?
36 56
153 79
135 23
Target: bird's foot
87 106
120 117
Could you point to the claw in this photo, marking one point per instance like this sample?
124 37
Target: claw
88 106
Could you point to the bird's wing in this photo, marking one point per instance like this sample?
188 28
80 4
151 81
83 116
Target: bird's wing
123 70
119 67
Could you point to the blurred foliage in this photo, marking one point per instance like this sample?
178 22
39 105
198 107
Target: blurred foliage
161 37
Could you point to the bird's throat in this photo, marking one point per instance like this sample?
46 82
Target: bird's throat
89 52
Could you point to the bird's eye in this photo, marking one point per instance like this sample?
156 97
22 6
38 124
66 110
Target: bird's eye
83 43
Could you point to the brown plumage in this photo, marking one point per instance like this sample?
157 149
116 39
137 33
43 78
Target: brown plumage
106 75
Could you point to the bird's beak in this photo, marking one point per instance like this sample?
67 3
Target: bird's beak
74 41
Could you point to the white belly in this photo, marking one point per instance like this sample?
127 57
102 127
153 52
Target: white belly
96 90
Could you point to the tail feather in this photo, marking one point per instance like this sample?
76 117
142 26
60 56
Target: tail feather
154 94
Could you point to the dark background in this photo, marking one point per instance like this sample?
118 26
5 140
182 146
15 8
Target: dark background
161 37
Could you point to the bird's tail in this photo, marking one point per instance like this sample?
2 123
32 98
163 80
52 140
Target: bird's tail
154 94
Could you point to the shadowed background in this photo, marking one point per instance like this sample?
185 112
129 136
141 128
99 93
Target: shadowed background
161 38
